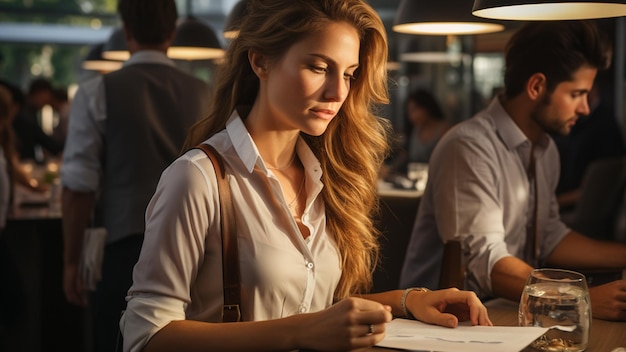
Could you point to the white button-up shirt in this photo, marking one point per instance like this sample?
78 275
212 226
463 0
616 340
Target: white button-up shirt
179 273
478 192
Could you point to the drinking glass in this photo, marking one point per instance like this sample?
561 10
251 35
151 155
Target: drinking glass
418 173
559 300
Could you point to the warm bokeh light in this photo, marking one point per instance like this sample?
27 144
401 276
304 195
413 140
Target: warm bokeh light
194 53
553 11
445 28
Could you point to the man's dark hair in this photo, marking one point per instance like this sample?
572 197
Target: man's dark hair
39 85
150 22
16 92
555 48
427 101
60 94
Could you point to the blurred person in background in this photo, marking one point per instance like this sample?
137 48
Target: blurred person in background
425 125
11 172
31 142
39 94
10 298
17 173
7 153
125 127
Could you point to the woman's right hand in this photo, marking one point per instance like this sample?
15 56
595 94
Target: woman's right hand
447 307
349 325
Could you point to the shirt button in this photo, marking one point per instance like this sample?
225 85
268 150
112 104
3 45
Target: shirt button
309 265
302 309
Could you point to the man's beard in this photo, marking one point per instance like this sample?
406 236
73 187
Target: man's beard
540 117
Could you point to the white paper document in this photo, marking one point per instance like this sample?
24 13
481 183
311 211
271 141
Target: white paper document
93 252
417 336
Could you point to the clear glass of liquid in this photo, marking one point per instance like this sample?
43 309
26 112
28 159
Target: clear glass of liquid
559 300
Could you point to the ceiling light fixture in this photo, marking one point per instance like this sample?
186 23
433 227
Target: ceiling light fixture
95 62
537 10
194 40
115 48
231 26
436 17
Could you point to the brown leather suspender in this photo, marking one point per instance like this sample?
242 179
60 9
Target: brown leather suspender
230 252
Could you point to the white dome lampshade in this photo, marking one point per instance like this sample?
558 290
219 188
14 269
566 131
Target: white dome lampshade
115 48
231 26
95 62
537 10
437 17
194 40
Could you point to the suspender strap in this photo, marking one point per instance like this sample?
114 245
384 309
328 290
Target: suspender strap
230 252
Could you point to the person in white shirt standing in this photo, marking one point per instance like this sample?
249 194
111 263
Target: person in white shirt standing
125 128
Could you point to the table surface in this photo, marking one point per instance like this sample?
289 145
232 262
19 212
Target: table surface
46 206
36 206
605 336
386 189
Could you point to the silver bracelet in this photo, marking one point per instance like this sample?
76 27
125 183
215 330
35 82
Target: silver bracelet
406 312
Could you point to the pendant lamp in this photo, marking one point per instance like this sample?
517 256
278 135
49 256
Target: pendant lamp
95 62
231 26
115 48
194 40
438 17
433 49
537 10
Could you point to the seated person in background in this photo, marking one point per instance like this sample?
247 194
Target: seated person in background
15 174
11 302
493 177
31 142
593 137
301 164
40 93
425 124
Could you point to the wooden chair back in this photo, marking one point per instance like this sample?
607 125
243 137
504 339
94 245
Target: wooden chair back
452 266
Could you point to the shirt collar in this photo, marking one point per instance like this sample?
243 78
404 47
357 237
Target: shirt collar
242 141
249 154
510 134
149 57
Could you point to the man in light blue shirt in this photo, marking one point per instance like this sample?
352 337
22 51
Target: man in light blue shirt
492 178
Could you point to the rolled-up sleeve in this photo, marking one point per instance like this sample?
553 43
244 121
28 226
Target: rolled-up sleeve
82 157
479 193
179 215
469 206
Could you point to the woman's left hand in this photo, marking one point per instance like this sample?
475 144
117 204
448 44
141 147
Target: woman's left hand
447 307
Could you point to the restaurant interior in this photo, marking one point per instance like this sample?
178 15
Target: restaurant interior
66 42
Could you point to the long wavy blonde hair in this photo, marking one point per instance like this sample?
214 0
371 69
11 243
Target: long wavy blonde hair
354 145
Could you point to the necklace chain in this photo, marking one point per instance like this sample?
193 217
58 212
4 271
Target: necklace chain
297 194
286 166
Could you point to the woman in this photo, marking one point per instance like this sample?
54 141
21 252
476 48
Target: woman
428 125
425 124
292 119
